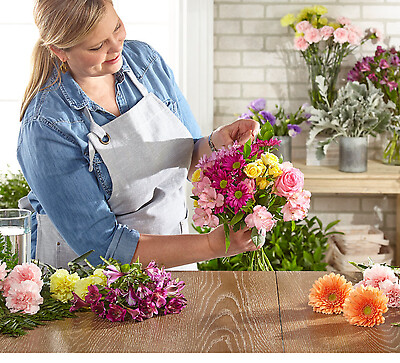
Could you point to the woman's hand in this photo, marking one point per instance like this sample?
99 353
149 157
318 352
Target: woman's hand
240 242
241 131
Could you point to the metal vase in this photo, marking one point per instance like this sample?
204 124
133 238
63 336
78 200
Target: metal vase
353 154
285 148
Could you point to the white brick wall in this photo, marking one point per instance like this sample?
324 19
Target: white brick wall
254 58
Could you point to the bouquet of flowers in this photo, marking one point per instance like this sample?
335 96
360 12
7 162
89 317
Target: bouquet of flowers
283 123
30 295
247 187
383 71
364 303
324 44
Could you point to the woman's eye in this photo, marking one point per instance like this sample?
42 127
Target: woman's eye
94 49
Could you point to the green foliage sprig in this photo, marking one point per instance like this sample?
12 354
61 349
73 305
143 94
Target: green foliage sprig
13 187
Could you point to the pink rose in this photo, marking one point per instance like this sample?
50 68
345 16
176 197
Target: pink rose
291 181
392 291
261 219
341 35
25 297
20 273
312 35
302 26
326 32
300 43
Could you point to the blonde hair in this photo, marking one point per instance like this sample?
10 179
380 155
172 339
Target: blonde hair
62 24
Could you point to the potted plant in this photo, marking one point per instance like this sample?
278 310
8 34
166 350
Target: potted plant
383 70
358 111
290 246
285 125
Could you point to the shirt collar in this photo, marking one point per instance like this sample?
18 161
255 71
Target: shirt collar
74 94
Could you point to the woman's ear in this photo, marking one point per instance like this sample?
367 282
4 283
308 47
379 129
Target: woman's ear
59 53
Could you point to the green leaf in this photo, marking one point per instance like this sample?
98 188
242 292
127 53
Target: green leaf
247 149
227 239
237 218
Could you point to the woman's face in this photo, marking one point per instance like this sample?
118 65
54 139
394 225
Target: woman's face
100 53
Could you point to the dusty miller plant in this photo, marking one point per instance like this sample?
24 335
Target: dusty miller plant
358 111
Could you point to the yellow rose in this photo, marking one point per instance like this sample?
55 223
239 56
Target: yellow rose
288 19
274 170
269 159
62 284
320 10
255 169
196 177
262 183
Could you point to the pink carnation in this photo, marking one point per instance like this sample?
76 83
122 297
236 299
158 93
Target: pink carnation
300 43
303 26
376 274
20 273
326 32
261 219
291 181
312 35
392 291
3 274
341 35
354 34
25 297
297 206
343 20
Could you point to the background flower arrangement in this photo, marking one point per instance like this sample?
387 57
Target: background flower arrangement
323 45
30 295
383 71
247 187
362 304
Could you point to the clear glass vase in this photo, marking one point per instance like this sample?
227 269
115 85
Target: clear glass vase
391 148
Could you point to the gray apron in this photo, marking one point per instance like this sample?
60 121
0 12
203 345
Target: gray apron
147 151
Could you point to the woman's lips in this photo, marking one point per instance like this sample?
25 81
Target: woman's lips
115 60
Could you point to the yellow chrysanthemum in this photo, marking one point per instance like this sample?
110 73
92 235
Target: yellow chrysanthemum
196 177
62 284
288 19
81 286
269 159
320 9
101 279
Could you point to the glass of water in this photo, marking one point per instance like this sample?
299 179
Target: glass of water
15 227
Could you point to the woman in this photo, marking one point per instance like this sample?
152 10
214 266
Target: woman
106 143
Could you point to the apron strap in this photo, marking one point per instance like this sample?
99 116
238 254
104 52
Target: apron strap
143 90
96 132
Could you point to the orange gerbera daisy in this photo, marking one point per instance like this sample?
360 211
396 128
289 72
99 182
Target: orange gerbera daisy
365 306
329 293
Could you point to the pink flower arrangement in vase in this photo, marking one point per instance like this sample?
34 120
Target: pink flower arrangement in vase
246 186
324 44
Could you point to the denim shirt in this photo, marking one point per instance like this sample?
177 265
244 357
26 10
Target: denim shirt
53 154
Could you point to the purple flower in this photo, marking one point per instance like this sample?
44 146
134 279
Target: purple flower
257 105
174 287
175 305
268 116
135 314
395 61
379 51
159 297
93 295
77 303
132 299
113 274
115 313
99 309
246 116
293 130
365 67
372 77
392 85
384 64
111 295
147 309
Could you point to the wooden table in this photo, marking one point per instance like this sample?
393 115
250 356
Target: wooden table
227 312
378 179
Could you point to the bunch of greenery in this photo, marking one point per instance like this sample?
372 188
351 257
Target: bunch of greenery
359 110
13 187
290 246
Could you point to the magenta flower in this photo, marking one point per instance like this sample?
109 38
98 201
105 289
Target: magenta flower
159 297
175 305
395 61
111 295
93 296
113 274
174 287
77 303
238 196
383 63
136 314
233 163
99 309
392 85
115 313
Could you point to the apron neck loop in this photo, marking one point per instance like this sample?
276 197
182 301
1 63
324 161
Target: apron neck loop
142 89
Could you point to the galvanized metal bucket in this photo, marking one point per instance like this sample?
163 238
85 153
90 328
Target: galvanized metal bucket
353 154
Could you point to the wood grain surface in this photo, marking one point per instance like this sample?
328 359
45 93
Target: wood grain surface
306 331
226 312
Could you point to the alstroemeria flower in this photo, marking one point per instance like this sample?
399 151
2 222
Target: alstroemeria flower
115 313
113 274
